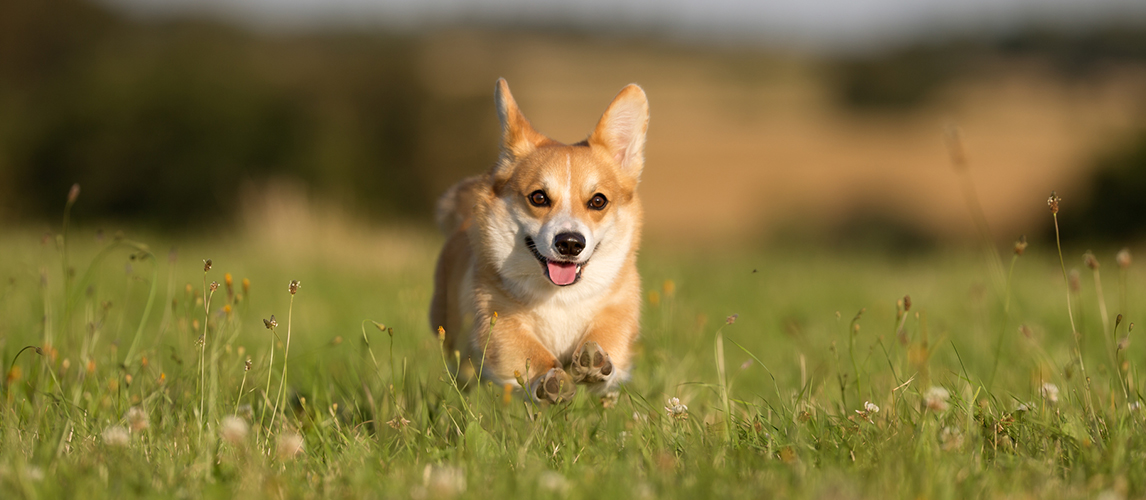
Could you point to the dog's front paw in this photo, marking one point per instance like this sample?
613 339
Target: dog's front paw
591 364
554 386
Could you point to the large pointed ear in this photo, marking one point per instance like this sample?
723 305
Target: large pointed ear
622 129
518 137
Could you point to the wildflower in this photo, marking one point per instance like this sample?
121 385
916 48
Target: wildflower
246 286
293 287
444 481
654 298
553 482
233 429
669 288
14 374
1090 261
207 265
115 436
676 410
228 280
398 422
936 399
289 445
950 438
868 409
1052 202
1049 392
1021 245
137 419
1123 258
609 400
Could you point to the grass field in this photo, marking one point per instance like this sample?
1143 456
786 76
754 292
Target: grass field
979 389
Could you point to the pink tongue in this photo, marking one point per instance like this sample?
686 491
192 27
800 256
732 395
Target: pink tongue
562 273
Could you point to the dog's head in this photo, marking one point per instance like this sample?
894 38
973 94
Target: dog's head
560 215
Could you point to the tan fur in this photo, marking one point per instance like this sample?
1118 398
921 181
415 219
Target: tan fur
542 330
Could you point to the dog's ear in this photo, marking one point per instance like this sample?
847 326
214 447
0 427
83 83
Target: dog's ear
518 138
622 129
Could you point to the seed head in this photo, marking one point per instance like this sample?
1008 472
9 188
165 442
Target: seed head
906 303
731 319
289 445
1052 202
270 323
1021 245
1075 281
214 285
207 265
233 429
398 422
1117 321
1090 261
1123 258
936 399
293 287
1049 392
73 193
115 436
247 365
137 418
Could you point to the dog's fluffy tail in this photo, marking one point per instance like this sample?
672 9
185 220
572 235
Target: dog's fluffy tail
456 205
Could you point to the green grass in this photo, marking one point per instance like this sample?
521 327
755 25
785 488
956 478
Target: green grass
797 367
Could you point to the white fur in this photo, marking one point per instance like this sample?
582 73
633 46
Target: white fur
562 314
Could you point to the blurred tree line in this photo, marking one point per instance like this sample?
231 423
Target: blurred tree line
164 122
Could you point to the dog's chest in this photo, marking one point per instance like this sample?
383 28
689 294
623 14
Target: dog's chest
560 326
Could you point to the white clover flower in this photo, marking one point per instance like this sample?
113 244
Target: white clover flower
676 410
115 435
870 407
233 429
1135 406
1049 391
936 399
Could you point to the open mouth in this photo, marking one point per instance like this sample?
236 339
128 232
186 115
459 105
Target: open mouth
559 273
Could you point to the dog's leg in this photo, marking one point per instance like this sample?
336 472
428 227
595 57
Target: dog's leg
602 359
514 352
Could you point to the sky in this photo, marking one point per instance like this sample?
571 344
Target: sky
817 24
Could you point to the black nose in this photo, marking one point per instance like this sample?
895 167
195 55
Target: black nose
569 244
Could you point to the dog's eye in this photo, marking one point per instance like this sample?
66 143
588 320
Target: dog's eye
598 202
538 198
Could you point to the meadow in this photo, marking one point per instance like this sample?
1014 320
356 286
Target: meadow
134 369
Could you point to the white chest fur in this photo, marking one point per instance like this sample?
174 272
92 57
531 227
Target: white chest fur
560 325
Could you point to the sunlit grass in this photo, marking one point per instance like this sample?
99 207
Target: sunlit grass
979 390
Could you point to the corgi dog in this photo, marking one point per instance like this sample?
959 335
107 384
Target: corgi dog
537 282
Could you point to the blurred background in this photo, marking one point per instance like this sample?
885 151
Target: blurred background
771 122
